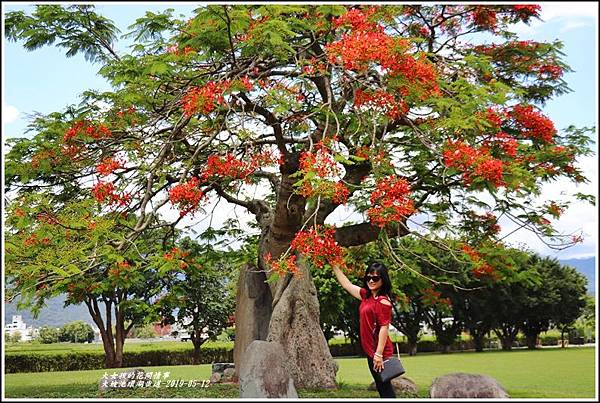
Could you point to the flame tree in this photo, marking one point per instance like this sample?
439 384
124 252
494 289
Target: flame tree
290 111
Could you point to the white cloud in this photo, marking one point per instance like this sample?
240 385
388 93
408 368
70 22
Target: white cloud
9 113
572 25
568 10
571 15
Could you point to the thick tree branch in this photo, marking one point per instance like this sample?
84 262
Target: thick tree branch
360 234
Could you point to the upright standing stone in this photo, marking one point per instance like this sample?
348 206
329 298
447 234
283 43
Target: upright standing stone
252 311
263 372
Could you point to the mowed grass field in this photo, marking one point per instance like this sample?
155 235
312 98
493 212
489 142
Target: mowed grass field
545 373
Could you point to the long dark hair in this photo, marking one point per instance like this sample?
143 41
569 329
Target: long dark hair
381 270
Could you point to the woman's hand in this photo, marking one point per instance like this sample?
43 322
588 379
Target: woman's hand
377 363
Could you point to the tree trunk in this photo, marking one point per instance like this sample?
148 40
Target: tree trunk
197 341
108 342
531 340
412 348
478 340
295 325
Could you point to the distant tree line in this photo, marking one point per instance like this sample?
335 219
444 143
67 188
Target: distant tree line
539 294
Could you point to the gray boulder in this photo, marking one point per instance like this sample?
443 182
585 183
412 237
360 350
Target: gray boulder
215 377
228 375
467 386
263 372
403 386
222 366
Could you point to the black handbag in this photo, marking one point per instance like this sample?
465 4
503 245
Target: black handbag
392 368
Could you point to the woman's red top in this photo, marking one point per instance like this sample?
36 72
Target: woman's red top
372 315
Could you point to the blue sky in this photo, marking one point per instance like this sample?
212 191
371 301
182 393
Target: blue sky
45 80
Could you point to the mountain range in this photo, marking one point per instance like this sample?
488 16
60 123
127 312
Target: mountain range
54 314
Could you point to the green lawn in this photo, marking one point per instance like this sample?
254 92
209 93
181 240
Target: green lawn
546 373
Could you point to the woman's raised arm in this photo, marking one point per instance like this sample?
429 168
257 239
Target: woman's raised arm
352 289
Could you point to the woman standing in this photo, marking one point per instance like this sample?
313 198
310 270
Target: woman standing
375 315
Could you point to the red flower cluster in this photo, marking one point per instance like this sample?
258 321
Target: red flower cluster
121 271
109 165
390 201
484 17
245 81
186 196
532 123
314 66
507 142
174 49
431 297
105 192
177 254
368 43
356 18
283 266
127 112
554 209
86 129
228 166
525 11
318 170
473 163
204 99
382 102
42 156
551 71
482 269
31 240
319 246
47 218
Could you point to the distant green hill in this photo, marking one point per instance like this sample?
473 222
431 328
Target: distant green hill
54 314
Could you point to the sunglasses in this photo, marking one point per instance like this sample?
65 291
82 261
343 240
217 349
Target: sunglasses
372 278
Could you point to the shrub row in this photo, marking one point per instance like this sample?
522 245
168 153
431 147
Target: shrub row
77 361
84 360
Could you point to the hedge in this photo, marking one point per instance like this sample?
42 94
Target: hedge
77 361
84 360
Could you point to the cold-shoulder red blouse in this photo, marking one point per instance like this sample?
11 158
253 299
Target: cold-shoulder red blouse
372 315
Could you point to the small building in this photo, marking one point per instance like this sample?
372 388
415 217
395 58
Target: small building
20 327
